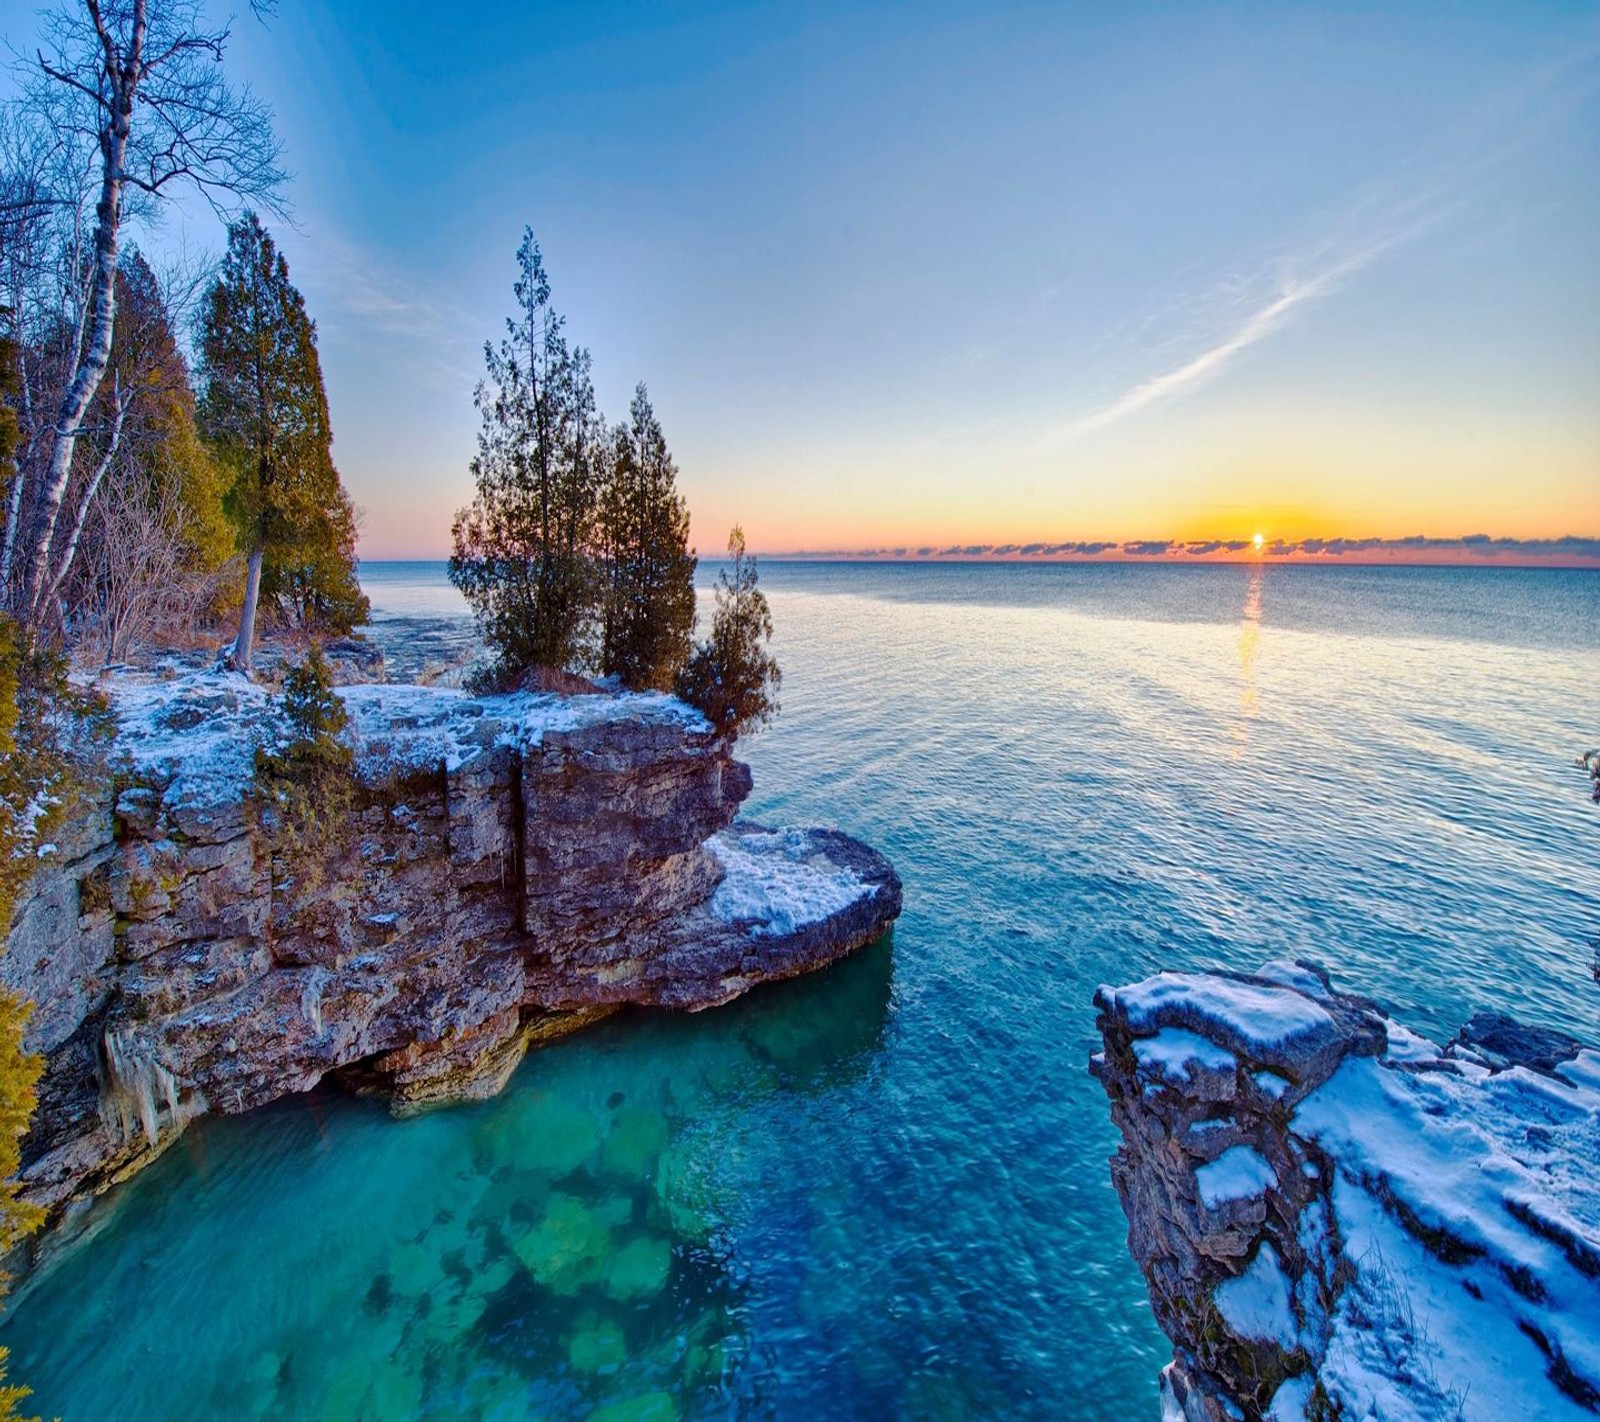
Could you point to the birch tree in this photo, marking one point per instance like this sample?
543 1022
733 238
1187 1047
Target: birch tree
139 85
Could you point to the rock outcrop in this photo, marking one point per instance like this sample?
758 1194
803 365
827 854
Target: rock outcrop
1338 1219
509 869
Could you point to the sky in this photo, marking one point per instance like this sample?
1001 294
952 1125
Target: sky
969 276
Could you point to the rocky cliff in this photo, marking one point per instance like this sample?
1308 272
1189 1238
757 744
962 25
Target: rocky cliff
1338 1219
507 869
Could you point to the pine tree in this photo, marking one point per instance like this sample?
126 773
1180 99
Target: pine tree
162 439
732 678
306 785
523 549
265 408
648 613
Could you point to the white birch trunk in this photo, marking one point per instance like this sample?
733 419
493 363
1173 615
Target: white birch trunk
85 383
64 566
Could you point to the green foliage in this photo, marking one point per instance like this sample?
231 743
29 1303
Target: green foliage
50 732
523 553
161 439
648 609
265 409
10 429
11 1396
19 1077
315 712
733 679
307 786
43 720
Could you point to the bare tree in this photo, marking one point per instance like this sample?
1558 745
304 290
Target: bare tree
141 83
139 580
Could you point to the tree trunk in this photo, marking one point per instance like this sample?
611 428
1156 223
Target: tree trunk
247 617
84 504
85 382
13 514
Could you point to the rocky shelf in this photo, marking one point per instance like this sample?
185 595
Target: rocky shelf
1339 1219
511 869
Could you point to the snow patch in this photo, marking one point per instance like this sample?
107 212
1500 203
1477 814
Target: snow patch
1172 1052
1467 1200
1265 1017
1256 1304
1239 1173
1583 1070
198 733
421 727
1271 1083
778 882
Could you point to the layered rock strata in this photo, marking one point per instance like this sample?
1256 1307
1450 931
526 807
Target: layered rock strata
508 869
1337 1218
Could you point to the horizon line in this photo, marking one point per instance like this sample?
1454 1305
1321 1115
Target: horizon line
1570 551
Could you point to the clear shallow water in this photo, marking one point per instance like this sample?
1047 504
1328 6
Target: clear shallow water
882 1192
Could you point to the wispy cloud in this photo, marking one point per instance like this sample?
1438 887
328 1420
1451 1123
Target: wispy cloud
1414 200
365 301
1254 316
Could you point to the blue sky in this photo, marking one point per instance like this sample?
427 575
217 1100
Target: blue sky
934 273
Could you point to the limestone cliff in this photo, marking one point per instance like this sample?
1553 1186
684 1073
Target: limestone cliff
509 868
1338 1219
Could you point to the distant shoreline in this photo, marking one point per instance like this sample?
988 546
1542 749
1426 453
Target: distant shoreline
1328 561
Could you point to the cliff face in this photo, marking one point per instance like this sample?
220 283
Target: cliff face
1338 1219
509 869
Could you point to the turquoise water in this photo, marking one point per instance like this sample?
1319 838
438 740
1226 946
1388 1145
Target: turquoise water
882 1192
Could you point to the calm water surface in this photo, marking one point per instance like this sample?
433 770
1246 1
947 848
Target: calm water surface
882 1192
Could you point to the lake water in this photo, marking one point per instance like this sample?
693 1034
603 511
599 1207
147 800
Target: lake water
881 1192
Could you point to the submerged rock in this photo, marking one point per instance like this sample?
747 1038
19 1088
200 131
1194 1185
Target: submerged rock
510 869
1338 1219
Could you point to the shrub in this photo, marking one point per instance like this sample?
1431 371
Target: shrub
732 679
307 784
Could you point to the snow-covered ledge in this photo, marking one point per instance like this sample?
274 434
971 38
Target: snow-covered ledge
1339 1219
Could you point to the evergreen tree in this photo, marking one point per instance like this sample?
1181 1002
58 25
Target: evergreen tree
306 786
523 553
161 436
732 678
265 409
648 613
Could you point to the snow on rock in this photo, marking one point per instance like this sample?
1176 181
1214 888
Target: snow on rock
198 733
1175 1053
1239 1173
1257 1303
394 726
775 882
1254 1014
1385 1228
1583 1070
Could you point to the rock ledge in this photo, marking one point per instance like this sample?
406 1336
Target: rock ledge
1339 1219
512 869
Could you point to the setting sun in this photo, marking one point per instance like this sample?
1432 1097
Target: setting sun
1258 540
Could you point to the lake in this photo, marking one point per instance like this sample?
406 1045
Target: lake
882 1192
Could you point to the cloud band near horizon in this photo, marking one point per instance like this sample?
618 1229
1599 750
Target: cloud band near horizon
1570 551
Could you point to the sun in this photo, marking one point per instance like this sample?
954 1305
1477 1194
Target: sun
1259 540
